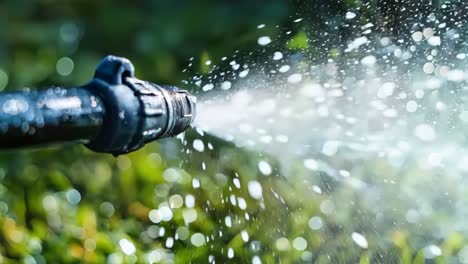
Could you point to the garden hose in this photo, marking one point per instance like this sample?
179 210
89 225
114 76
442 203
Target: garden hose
114 113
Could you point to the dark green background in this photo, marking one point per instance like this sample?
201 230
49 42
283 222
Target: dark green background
160 37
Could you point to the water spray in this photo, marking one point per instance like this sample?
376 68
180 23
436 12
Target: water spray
114 113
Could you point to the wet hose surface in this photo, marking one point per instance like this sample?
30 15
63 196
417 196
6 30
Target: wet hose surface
34 117
114 113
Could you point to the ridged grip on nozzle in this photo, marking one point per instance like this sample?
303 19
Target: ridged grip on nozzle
166 111
181 106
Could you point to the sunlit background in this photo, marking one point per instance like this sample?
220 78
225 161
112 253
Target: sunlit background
327 132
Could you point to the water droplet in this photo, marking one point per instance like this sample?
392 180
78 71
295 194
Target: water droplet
208 87
242 203
244 73
171 175
65 66
282 244
189 201
428 68
386 90
127 247
412 216
169 242
69 32
182 233
432 251
463 116
360 240
195 183
264 40
198 145
327 207
330 148
284 68
236 183
369 61
165 213
459 56
419 93
197 239
228 221
315 223
411 106
230 253
226 85
73 196
256 260
350 15
255 190
434 41
245 236
317 189
311 164
189 215
176 201
417 36
264 167
300 243
428 33
277 55
295 78
424 132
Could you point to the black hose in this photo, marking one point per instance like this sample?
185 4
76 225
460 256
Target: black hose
51 115
113 113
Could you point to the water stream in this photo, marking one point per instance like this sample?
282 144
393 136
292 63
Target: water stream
387 118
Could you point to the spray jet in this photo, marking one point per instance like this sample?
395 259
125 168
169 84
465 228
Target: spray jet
114 113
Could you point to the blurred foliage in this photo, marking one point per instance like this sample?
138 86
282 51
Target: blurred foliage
66 204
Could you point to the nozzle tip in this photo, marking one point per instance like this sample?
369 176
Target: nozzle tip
183 107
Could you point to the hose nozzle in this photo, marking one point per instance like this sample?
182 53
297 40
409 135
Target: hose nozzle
137 112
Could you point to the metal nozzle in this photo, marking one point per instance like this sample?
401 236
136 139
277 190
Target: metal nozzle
181 108
146 111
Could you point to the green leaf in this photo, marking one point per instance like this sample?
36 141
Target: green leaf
299 41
